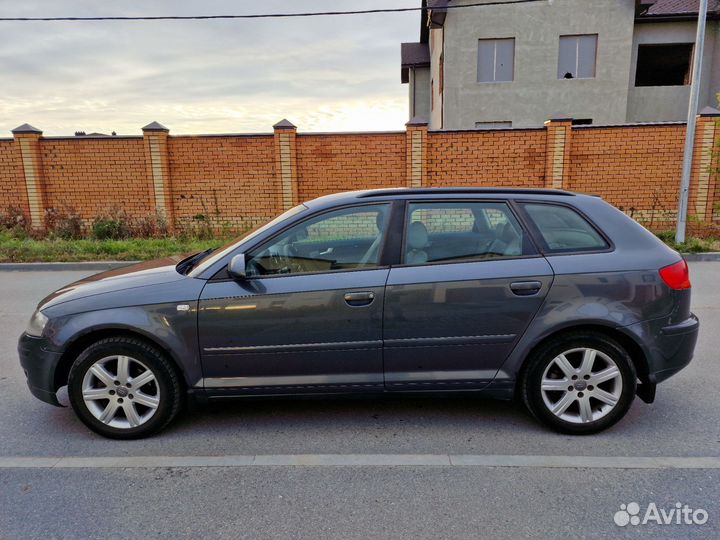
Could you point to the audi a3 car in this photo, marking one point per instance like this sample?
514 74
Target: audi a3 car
553 298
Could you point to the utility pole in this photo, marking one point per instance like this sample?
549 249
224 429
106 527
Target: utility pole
692 120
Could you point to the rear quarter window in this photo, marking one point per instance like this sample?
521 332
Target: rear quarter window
564 230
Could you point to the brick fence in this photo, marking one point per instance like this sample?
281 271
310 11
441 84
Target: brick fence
246 179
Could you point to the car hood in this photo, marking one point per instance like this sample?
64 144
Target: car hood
128 277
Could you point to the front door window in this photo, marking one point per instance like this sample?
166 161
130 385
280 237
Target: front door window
346 239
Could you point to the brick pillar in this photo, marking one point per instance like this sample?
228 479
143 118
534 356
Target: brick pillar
703 180
27 139
557 157
157 165
416 153
286 171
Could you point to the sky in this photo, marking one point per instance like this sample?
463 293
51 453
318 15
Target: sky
237 76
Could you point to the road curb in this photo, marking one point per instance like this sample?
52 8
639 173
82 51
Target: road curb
701 257
112 265
64 266
362 460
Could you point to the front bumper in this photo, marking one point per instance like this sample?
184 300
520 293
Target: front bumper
39 364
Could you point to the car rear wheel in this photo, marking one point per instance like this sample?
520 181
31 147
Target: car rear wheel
579 383
124 388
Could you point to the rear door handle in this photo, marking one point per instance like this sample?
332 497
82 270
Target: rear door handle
526 288
357 299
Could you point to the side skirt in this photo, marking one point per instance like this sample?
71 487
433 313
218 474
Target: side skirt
201 396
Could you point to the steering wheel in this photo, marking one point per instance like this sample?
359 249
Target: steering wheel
283 260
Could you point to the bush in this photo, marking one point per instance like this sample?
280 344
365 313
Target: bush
704 229
666 236
65 223
14 220
200 227
111 225
150 226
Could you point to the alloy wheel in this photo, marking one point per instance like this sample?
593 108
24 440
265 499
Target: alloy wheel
581 385
121 392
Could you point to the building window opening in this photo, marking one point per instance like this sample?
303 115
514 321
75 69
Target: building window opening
578 57
664 65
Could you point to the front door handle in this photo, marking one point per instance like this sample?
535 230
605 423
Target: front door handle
526 288
357 299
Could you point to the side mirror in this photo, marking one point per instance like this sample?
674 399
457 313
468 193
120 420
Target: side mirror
236 268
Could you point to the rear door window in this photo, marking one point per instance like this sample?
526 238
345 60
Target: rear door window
564 230
456 231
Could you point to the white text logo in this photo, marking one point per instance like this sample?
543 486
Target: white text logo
680 514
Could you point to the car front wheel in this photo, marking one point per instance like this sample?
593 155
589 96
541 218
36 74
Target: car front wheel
579 383
124 388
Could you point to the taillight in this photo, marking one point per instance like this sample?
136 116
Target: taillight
676 276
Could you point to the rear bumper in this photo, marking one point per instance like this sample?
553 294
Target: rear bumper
39 365
677 345
669 348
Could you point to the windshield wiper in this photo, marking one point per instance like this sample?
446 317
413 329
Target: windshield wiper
186 265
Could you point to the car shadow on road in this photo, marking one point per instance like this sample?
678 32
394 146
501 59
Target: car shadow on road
434 416
332 413
378 424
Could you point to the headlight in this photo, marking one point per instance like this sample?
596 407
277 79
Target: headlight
36 325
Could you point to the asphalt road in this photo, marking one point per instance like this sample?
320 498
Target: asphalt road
406 494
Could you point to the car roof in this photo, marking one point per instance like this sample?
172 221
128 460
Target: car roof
429 193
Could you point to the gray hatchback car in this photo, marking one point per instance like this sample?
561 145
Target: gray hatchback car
553 298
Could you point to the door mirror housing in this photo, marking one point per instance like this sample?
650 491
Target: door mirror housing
237 267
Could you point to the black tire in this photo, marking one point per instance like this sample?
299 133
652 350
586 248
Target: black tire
166 377
530 382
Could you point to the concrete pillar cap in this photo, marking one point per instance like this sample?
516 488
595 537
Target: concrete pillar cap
284 124
155 126
417 121
26 128
709 111
561 117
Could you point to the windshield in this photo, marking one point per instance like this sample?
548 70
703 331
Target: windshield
202 264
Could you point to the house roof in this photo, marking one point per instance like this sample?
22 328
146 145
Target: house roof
647 10
437 11
675 8
414 55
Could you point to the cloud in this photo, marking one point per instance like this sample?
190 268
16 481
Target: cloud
325 74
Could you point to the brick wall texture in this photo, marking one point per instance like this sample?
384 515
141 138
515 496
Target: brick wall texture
635 168
247 179
332 163
12 177
510 158
93 175
231 178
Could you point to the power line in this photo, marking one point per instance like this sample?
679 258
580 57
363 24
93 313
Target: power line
256 15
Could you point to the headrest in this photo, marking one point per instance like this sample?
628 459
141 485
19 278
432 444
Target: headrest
417 235
508 233
380 220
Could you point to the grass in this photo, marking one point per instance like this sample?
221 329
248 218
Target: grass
17 249
13 249
691 245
